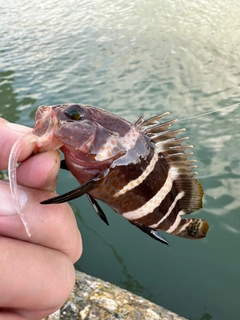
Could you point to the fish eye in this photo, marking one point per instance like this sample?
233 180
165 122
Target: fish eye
74 112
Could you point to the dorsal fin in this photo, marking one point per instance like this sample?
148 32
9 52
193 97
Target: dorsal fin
168 145
172 153
151 121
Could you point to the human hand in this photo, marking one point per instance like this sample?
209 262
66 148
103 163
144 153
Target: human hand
36 273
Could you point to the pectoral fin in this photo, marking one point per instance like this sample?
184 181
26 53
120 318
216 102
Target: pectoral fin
151 232
76 193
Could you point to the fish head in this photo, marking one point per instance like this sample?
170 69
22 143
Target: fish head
84 133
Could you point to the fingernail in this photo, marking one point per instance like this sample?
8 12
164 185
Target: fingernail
7 207
18 127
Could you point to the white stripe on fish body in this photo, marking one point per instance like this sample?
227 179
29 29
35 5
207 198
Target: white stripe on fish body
134 183
178 197
184 227
176 222
153 203
121 184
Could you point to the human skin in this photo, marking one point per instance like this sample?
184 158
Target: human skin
36 273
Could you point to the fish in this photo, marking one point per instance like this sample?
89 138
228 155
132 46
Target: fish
141 170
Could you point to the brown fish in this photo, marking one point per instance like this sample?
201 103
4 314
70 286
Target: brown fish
140 170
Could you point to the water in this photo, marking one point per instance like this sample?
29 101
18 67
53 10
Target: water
129 58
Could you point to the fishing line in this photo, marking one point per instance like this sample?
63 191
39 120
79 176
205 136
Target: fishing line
209 112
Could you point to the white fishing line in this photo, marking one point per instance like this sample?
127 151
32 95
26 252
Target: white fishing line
209 112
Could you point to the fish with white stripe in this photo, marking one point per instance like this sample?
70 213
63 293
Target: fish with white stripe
140 170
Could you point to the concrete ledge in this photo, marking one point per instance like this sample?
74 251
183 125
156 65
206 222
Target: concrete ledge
96 299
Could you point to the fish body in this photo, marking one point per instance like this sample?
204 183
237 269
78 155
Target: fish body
140 170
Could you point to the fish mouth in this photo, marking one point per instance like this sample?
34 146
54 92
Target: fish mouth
46 124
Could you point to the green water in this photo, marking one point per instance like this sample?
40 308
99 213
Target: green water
131 57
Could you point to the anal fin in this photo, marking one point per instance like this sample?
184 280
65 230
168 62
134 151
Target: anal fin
151 232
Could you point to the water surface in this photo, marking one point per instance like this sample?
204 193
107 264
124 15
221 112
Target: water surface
134 57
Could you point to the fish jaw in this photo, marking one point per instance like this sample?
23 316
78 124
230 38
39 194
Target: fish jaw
46 124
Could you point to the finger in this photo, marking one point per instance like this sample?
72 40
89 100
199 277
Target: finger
49 272
9 134
8 315
40 171
52 226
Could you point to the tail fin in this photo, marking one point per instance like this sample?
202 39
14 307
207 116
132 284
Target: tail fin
191 229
